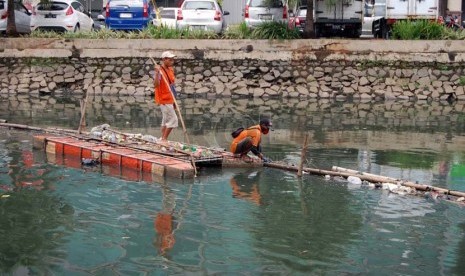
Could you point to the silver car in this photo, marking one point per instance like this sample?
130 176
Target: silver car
259 11
22 17
204 15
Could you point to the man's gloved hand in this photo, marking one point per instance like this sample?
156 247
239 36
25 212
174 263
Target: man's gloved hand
267 160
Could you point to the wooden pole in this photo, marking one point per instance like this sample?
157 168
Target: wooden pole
50 130
368 177
303 154
180 116
82 123
381 179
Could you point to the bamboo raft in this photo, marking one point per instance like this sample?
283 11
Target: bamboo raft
146 160
127 151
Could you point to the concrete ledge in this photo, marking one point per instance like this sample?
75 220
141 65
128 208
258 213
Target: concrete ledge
319 49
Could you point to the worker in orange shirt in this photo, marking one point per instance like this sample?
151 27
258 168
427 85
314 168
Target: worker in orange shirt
249 140
165 92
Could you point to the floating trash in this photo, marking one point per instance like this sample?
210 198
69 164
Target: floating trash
354 180
89 162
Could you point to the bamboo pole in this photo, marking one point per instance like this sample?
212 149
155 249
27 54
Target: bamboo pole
26 127
369 177
82 123
302 156
340 169
421 187
180 115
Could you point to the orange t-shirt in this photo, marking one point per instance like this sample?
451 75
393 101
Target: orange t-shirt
163 93
252 132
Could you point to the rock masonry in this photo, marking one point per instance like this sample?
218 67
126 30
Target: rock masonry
339 80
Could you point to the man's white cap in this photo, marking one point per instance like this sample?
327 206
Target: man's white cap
167 54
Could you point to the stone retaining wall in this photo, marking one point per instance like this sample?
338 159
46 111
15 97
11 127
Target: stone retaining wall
340 70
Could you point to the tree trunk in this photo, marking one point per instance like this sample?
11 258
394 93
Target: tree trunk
309 31
442 7
10 24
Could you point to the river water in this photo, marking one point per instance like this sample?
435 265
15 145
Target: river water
56 220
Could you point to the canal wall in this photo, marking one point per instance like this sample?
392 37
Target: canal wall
326 69
388 125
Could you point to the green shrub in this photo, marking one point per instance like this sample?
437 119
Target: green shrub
240 31
152 32
274 30
454 34
418 29
268 30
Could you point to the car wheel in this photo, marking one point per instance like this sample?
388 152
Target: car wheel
77 28
92 28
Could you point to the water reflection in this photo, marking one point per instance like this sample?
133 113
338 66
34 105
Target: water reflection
34 223
245 186
238 221
164 222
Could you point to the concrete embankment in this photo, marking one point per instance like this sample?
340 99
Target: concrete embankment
336 69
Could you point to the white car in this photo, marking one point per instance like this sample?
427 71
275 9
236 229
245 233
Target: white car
61 16
259 11
22 17
166 17
204 15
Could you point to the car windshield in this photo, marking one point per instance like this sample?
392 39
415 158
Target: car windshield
266 3
53 6
199 5
302 12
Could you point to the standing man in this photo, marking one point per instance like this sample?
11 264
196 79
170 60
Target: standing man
164 90
249 140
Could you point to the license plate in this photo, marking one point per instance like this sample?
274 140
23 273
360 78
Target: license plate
50 16
125 15
198 27
336 27
265 16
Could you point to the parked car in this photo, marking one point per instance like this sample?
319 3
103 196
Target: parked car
258 11
99 19
167 17
204 15
128 14
22 17
297 20
61 16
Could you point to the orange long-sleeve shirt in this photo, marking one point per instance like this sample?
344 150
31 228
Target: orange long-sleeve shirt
163 93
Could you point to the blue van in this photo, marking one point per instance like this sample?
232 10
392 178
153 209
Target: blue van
128 14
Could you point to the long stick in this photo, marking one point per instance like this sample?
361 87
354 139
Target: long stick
82 123
302 156
368 177
180 116
421 187
26 127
